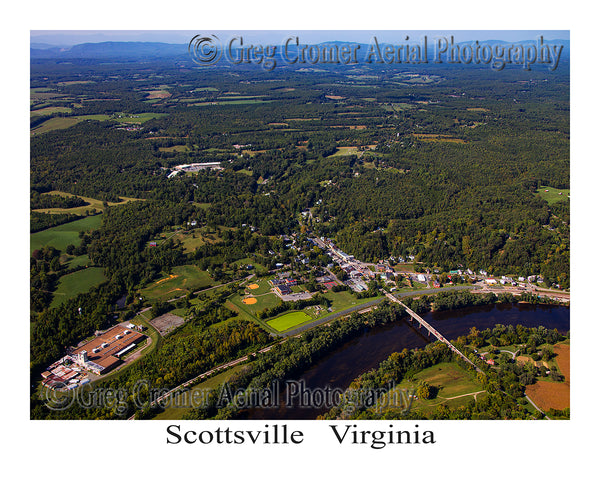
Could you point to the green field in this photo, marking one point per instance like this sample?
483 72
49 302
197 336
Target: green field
73 284
554 195
289 320
93 204
81 260
62 235
175 148
263 286
50 110
184 279
344 300
55 123
455 386
194 238
264 301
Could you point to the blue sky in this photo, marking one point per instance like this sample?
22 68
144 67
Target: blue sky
73 37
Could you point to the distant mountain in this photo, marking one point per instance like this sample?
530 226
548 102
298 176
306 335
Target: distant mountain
116 50
132 51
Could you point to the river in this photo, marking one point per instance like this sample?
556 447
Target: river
357 356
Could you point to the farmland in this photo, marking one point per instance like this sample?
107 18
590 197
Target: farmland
62 235
78 282
546 394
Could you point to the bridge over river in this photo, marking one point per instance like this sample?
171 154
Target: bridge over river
430 329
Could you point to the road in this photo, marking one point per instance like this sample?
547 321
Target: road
538 409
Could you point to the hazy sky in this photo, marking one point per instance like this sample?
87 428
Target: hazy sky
73 37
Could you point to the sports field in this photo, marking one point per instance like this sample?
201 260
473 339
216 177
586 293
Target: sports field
268 300
62 235
183 279
289 320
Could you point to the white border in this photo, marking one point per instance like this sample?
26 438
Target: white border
486 449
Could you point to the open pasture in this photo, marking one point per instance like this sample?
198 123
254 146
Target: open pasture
62 235
553 195
73 284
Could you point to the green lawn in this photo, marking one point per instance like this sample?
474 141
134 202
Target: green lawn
62 235
344 300
451 380
184 279
289 320
554 195
73 284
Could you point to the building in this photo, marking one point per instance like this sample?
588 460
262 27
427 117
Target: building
105 352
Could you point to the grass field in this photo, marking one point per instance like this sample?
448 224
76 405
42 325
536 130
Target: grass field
55 123
73 284
62 235
58 123
175 148
184 279
455 387
289 320
50 111
195 237
93 203
268 300
81 260
554 195
342 151
344 300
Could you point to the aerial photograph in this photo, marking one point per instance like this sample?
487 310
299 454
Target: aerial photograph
300 225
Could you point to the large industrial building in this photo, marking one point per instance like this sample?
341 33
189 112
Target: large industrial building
98 356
